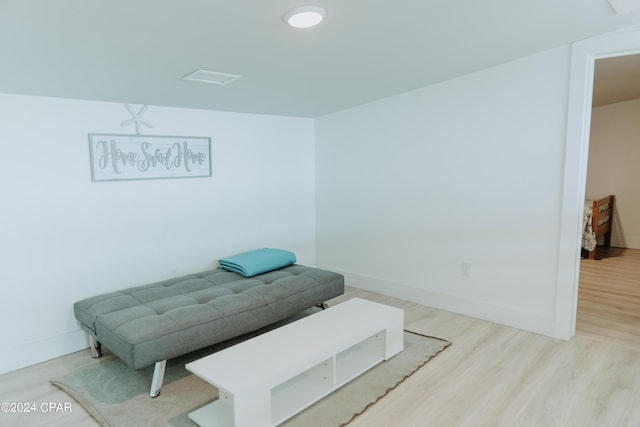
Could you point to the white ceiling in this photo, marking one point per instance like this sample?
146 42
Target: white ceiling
137 51
616 80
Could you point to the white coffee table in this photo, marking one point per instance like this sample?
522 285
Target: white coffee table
269 378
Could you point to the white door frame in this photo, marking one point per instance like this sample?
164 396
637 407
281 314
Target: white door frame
583 56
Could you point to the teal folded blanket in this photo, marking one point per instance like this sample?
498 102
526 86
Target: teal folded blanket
259 261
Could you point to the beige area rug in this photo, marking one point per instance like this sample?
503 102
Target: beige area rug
117 396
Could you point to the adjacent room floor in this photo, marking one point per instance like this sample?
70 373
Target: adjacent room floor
609 297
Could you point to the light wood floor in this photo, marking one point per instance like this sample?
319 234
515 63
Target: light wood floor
490 376
609 297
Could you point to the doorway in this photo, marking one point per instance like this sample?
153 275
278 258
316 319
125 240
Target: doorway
584 55
609 287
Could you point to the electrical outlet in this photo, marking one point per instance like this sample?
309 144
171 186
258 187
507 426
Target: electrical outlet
466 269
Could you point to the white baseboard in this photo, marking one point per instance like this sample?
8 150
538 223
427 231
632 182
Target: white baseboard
42 350
507 316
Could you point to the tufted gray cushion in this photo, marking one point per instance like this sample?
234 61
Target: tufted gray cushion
159 321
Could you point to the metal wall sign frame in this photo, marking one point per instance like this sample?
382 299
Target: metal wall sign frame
117 157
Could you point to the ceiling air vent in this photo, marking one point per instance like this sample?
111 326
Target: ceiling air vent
213 77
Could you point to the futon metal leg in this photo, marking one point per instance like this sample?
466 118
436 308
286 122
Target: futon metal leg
95 346
323 305
158 377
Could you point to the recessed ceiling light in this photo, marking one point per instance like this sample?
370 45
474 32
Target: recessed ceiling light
213 77
305 16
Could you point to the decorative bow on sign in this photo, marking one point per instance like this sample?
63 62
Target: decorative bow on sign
136 118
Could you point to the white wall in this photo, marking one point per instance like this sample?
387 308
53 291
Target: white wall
469 170
64 238
614 155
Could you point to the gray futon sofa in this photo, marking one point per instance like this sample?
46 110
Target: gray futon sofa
149 324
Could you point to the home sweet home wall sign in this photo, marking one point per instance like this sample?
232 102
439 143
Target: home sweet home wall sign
128 157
